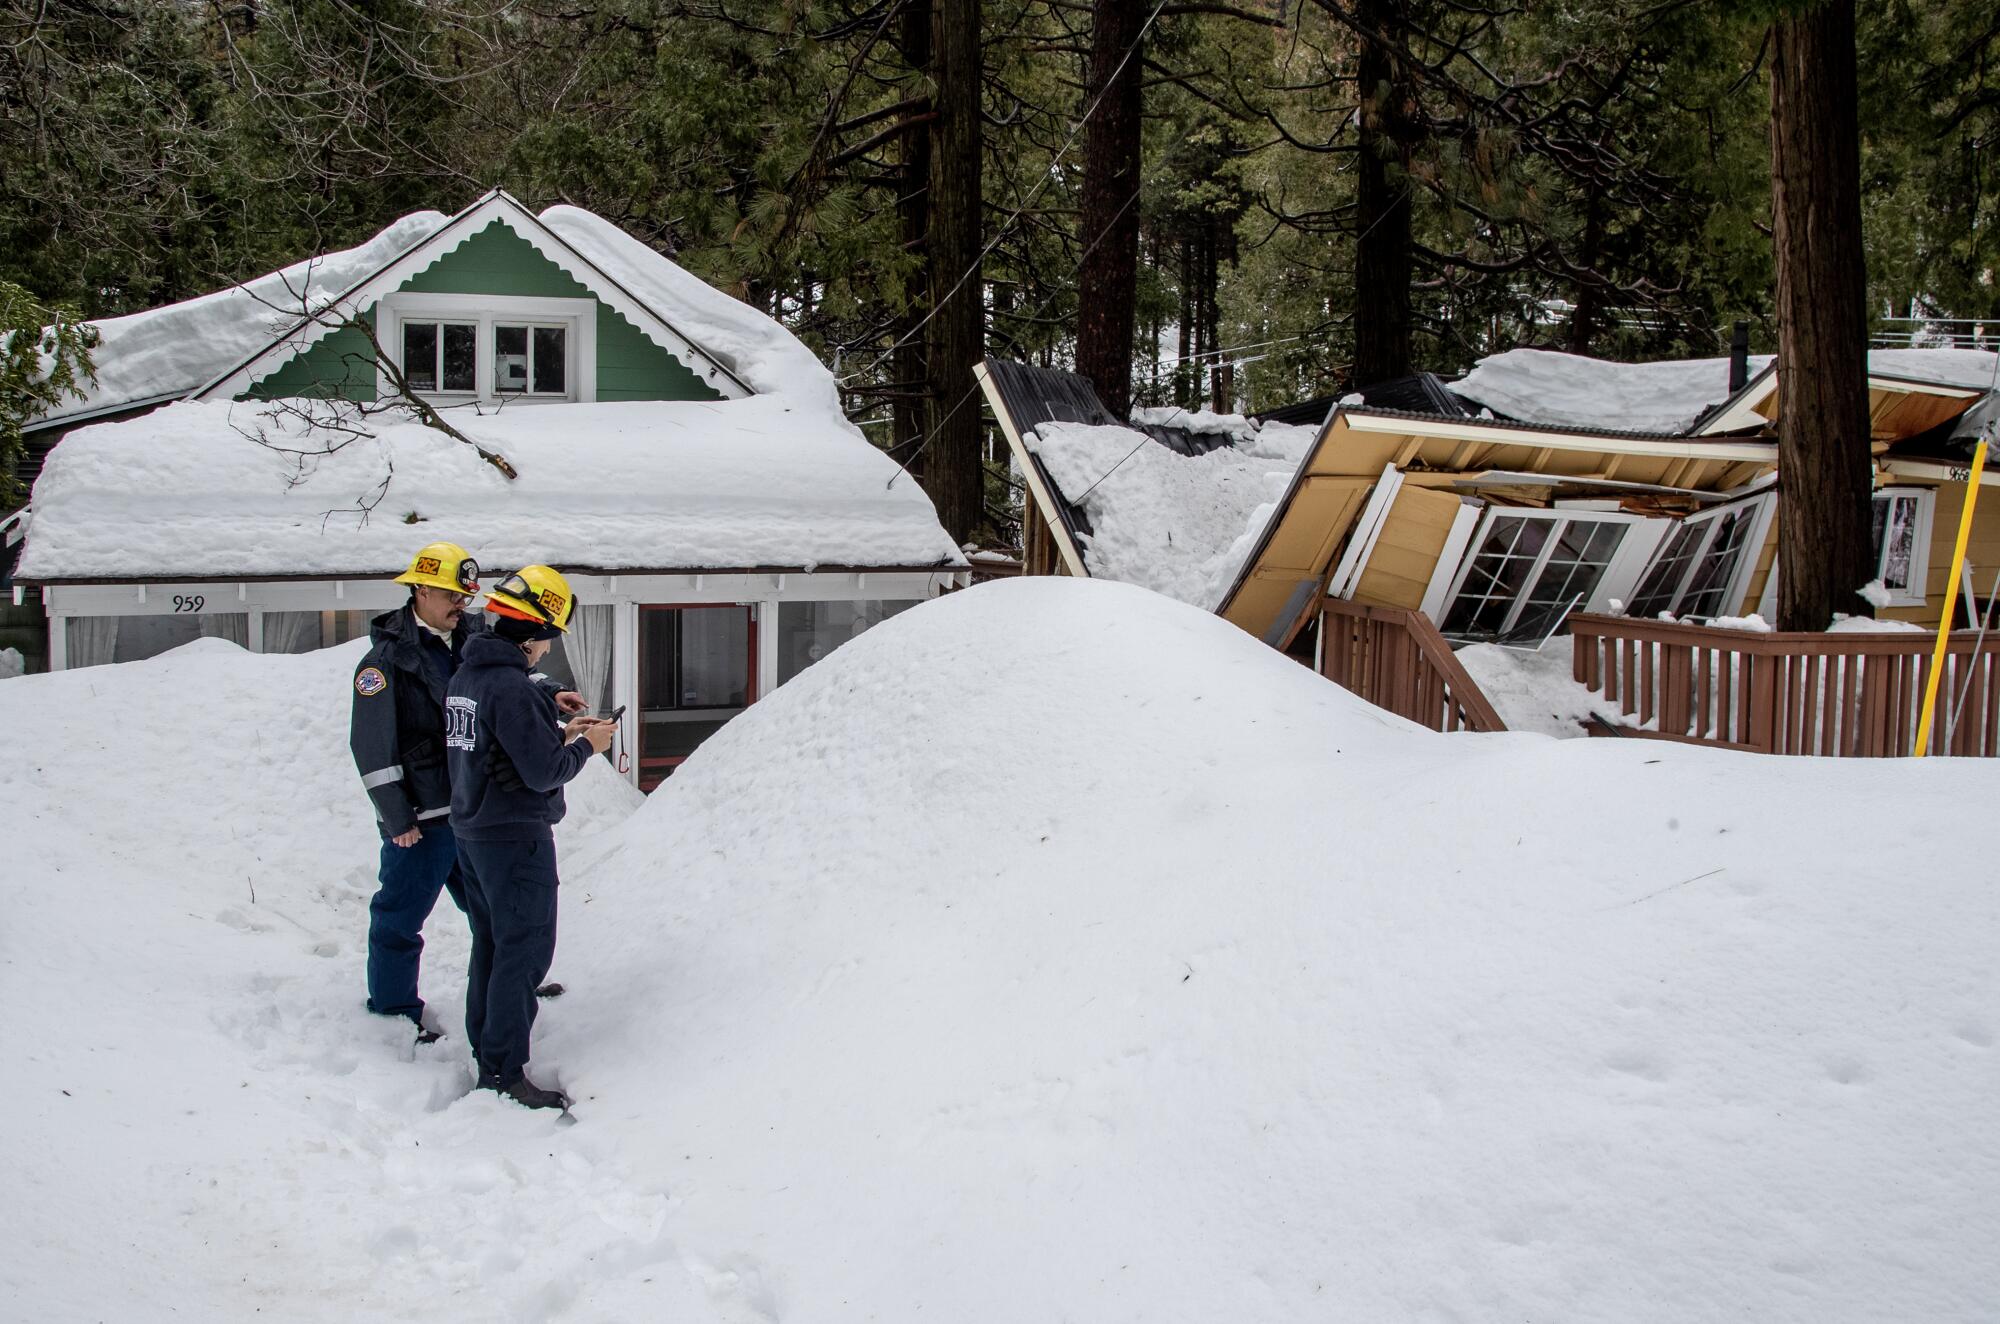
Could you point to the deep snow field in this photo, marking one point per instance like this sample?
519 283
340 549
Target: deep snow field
1053 951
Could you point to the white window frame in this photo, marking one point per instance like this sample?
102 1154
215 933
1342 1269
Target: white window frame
1761 507
1914 594
577 317
402 362
1633 551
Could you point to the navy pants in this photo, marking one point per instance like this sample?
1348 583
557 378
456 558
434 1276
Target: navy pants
510 898
411 878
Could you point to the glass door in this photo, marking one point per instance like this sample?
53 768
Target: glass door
697 669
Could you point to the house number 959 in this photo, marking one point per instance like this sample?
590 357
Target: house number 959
189 602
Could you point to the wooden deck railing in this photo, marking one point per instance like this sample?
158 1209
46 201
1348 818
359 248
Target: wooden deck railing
1840 695
1397 660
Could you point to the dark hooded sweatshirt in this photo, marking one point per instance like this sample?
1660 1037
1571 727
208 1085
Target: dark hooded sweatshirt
504 744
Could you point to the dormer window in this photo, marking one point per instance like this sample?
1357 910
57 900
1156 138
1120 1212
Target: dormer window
441 357
462 348
531 360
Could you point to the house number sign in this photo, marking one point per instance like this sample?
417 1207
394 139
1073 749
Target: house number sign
189 602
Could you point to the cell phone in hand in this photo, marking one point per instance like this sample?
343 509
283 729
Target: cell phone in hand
615 713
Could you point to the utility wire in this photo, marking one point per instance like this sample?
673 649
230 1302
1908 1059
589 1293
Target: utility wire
1055 162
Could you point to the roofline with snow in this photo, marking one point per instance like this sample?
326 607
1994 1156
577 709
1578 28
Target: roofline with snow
389 571
428 251
1360 418
1740 411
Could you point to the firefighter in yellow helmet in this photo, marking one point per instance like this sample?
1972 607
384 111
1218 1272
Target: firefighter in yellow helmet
397 735
510 756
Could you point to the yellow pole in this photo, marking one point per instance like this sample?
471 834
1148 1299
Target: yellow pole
1950 601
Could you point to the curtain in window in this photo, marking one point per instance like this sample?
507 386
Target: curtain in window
588 648
291 631
231 625
92 640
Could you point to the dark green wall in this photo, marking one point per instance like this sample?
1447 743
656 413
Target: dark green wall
495 261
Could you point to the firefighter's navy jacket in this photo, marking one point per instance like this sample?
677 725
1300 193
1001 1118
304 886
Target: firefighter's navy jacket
504 744
397 732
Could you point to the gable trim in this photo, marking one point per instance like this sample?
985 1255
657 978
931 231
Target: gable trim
303 334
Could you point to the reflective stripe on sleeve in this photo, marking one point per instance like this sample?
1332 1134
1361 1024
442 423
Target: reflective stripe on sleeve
381 777
433 813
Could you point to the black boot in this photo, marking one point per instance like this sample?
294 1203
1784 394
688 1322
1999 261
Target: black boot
528 1094
549 991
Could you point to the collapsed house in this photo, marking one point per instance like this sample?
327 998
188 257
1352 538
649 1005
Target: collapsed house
1539 485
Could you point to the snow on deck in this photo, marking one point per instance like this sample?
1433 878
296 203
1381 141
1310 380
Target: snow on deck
1177 524
1245 1001
186 492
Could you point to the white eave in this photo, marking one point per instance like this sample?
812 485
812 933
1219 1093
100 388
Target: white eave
1468 429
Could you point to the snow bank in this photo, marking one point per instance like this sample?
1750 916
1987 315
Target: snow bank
1169 522
173 350
12 664
201 1118
186 491
1052 950
1246 1001
1572 390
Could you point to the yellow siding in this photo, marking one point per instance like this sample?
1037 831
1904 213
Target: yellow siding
1406 553
1767 558
1982 550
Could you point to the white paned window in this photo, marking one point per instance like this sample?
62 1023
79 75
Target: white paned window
530 360
441 357
1903 542
1701 566
1531 568
493 347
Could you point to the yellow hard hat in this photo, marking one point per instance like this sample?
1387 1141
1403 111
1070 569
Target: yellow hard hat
443 565
536 593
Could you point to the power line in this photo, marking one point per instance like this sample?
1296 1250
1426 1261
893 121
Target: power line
1008 224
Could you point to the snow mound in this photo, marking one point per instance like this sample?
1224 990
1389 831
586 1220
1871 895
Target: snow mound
1177 524
1572 390
1052 950
12 664
1055 950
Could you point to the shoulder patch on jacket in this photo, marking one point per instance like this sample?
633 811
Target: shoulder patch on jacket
370 681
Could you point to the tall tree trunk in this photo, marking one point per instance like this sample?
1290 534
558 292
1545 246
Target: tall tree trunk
1583 319
1824 468
954 475
909 416
1108 277
1384 264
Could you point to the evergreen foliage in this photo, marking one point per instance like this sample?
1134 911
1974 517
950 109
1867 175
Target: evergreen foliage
1581 174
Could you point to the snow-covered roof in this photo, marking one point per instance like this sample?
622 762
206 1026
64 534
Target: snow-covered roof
1968 369
1177 524
1571 390
164 353
186 492
658 323
1670 397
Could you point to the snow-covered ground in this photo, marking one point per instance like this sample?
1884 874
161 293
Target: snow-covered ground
1053 950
